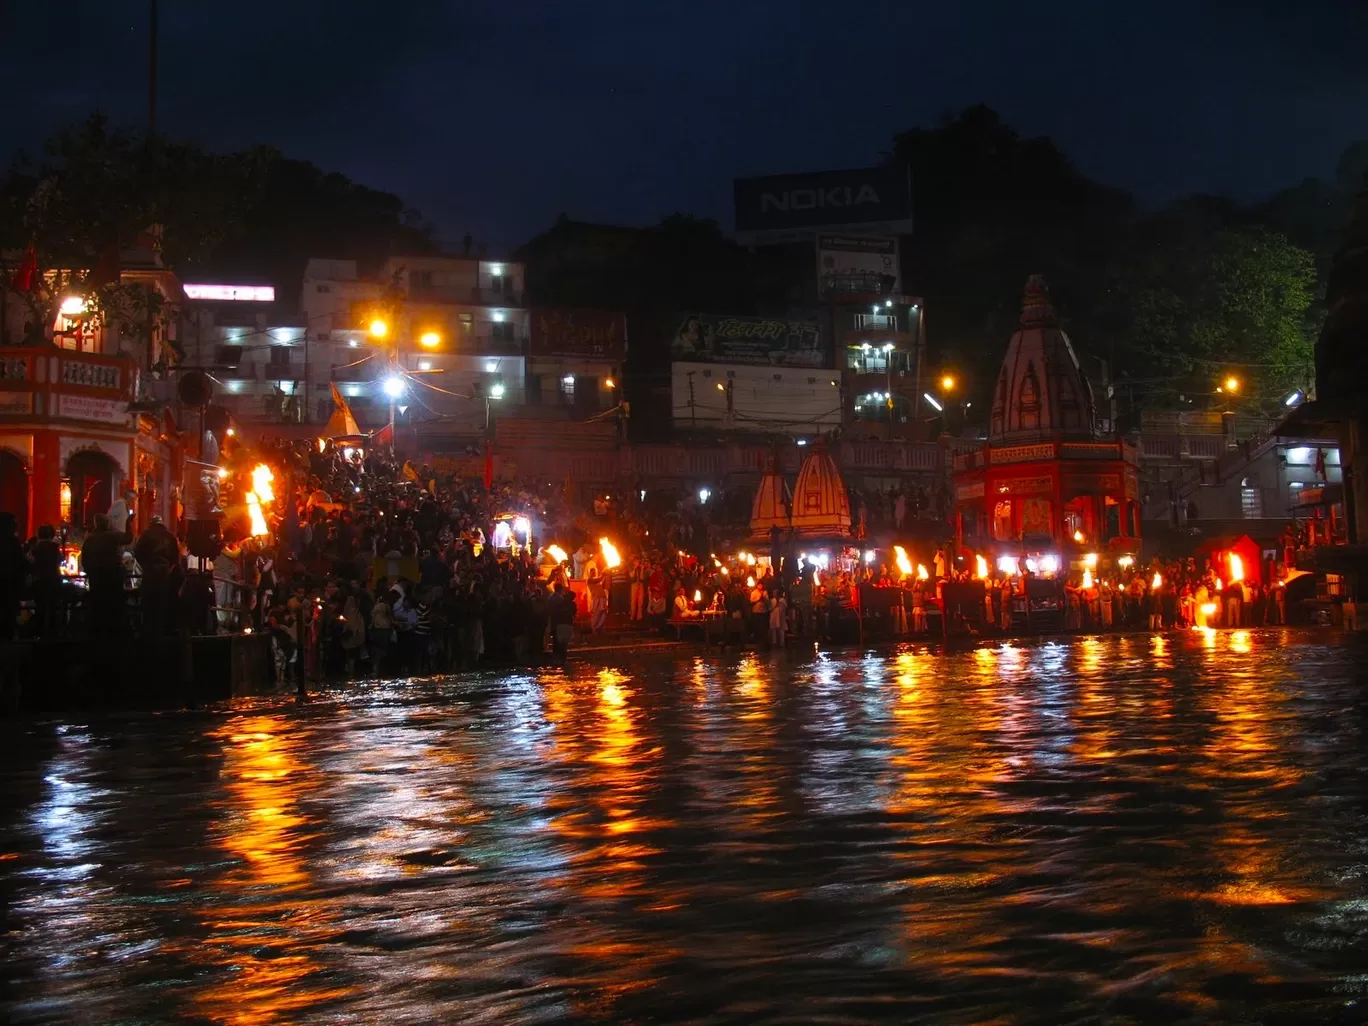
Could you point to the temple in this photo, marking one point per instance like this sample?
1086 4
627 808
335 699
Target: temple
770 507
821 507
1047 481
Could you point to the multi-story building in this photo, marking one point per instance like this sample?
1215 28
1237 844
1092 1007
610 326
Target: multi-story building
446 343
80 420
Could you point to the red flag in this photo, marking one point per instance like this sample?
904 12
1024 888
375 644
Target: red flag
489 465
385 436
26 278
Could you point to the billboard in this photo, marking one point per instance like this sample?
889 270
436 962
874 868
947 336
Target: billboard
771 341
857 265
785 207
579 335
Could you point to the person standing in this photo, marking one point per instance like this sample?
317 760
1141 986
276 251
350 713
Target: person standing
641 570
561 614
157 553
102 563
14 569
47 580
778 618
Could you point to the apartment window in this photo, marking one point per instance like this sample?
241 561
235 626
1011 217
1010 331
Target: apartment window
467 323
227 356
502 331
567 388
1251 499
280 356
420 281
323 288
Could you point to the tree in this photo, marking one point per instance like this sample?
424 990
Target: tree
1201 300
989 209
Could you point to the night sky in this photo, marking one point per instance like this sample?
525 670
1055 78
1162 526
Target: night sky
494 117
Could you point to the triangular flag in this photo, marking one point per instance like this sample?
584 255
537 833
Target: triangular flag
341 422
385 436
409 472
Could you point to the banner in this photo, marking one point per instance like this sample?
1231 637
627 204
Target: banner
857 265
579 335
708 338
784 207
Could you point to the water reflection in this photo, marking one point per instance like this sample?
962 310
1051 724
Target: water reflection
1127 828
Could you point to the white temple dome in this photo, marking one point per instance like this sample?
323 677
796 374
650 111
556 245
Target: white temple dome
820 503
1041 390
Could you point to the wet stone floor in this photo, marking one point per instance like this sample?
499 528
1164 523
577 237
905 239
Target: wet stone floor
1126 829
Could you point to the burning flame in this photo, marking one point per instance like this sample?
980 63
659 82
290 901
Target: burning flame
904 564
750 582
698 596
1209 608
1087 578
610 553
258 518
261 482
1090 560
922 574
1079 537
556 552
980 567
1126 561
1236 567
1219 585
1157 582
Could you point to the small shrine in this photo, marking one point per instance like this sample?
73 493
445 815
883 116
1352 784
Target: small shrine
770 507
821 507
1048 482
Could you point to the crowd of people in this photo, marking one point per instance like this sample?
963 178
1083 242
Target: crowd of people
373 566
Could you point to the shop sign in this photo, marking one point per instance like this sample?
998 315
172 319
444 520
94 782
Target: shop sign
1022 453
84 407
1025 486
16 402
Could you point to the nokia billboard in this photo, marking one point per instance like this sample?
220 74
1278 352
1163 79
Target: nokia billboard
785 207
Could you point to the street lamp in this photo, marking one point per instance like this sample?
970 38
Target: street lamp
947 383
430 340
1232 383
496 390
393 386
378 329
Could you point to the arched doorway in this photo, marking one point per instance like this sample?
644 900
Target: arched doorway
93 476
14 490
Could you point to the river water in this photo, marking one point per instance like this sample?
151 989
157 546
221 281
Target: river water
1128 829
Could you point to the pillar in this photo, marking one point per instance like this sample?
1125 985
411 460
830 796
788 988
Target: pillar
45 488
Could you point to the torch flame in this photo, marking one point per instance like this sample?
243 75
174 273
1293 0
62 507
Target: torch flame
1157 581
904 564
610 553
980 567
261 482
258 519
922 574
750 582
1236 567
1087 578
698 596
556 552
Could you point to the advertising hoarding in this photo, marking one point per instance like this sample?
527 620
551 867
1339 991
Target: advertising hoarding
857 265
579 334
770 341
779 208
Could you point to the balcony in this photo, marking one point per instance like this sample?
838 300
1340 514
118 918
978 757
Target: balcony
66 383
463 295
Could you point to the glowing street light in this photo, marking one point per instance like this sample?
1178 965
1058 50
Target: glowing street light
496 390
378 328
947 383
430 340
1232 383
393 386
73 306
609 383
932 400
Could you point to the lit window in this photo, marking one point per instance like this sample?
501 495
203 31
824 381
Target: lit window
567 386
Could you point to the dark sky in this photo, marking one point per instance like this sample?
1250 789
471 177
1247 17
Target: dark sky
494 117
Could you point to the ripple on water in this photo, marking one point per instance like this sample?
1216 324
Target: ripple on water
1118 828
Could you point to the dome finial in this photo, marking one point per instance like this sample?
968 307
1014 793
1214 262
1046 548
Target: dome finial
1036 311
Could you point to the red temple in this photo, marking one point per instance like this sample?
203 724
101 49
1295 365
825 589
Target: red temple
1047 483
